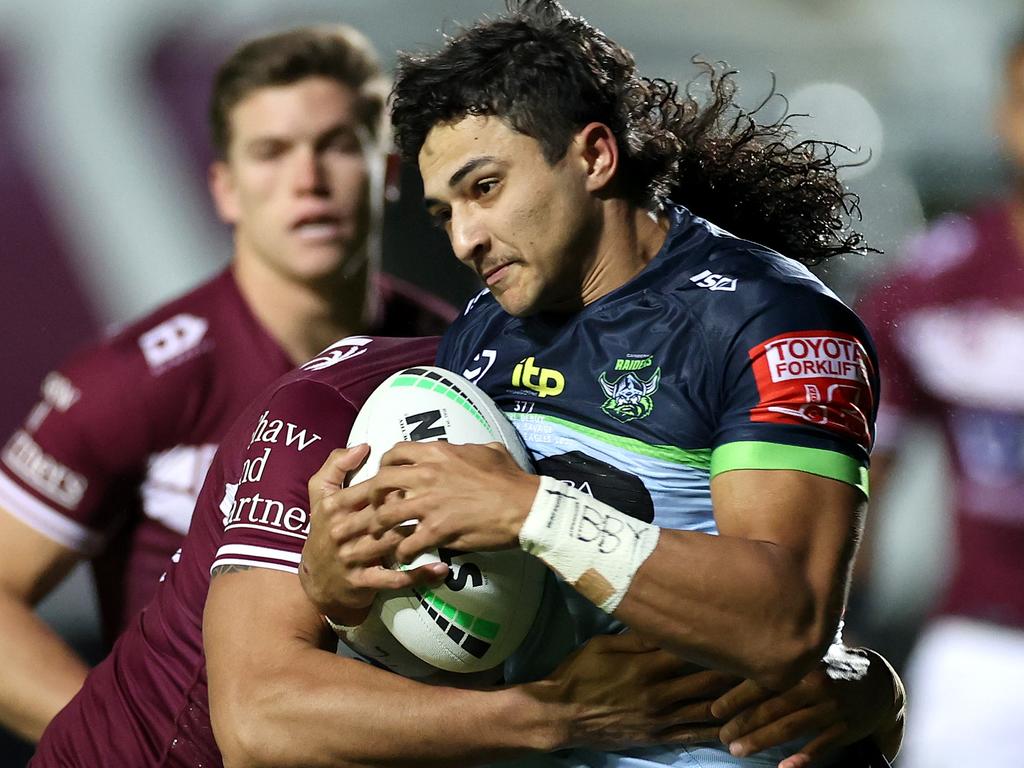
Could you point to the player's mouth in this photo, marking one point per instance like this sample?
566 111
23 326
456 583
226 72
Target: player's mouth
494 275
322 227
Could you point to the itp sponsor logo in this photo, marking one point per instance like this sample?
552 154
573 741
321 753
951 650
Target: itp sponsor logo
544 381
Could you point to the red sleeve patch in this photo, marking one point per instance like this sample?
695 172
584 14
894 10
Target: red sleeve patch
814 377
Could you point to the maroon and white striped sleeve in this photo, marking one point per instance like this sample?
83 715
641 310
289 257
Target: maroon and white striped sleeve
266 509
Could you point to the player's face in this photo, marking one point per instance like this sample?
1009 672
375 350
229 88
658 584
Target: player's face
296 179
524 225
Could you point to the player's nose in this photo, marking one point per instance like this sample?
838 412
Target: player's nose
469 236
308 174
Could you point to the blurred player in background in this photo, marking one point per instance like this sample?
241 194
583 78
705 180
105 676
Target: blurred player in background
949 325
109 463
699 407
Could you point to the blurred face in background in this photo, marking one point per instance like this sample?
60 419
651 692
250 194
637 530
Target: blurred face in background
295 181
1010 117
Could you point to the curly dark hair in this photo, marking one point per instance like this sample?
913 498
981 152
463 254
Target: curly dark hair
547 73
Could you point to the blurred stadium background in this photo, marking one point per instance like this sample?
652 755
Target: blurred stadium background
103 149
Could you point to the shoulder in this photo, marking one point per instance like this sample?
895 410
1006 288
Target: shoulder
180 334
935 260
337 381
703 264
156 355
353 366
951 243
733 285
952 256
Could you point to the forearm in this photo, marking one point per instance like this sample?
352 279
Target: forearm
318 709
40 673
761 600
732 604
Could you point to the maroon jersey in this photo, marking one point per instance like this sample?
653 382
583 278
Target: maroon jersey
949 327
146 704
112 458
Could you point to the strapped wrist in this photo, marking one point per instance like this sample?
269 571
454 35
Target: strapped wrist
341 630
593 546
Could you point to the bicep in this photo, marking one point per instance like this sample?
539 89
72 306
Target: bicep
813 519
254 622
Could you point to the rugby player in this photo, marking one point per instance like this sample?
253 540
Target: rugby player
948 321
232 664
700 407
109 463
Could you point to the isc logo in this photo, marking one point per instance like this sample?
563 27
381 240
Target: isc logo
711 281
543 381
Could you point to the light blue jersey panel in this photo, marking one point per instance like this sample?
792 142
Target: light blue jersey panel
677 480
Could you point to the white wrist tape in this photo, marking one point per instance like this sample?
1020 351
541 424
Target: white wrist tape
594 547
843 663
341 630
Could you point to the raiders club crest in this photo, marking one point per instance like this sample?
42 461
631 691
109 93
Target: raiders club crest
629 396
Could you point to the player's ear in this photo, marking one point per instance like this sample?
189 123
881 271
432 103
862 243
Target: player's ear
599 152
222 189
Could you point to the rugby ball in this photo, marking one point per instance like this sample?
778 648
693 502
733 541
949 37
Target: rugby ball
480 615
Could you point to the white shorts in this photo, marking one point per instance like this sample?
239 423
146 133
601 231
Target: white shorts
965 693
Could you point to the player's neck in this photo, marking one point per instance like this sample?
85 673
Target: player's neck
631 237
303 318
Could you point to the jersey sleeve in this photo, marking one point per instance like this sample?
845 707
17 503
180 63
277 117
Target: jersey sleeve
266 508
89 428
799 388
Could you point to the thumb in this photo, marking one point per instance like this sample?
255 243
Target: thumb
339 463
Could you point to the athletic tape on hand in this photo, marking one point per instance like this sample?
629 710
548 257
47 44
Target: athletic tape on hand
593 546
843 663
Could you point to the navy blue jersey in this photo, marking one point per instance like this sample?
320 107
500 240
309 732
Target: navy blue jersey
721 354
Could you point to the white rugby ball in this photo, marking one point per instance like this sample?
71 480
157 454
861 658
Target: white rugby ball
480 615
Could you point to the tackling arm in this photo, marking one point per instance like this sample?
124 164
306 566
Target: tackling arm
279 697
307 707
40 673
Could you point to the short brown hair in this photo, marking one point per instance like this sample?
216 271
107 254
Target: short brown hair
335 51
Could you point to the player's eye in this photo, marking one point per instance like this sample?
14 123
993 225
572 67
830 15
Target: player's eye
266 149
440 217
344 141
486 186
